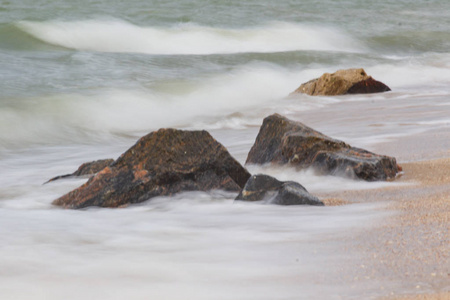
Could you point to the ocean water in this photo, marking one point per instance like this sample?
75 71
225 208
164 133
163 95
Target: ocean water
83 80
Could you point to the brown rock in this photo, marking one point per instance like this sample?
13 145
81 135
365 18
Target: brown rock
163 162
93 167
89 168
351 81
283 141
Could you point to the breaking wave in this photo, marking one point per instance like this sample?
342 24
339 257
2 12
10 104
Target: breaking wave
120 36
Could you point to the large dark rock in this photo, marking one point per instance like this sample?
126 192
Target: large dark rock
163 162
86 169
351 81
283 141
266 188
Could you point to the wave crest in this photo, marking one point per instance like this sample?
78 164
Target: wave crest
120 36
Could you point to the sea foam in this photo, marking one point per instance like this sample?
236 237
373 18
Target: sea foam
237 99
253 89
114 35
430 70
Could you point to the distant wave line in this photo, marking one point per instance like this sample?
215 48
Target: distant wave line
120 36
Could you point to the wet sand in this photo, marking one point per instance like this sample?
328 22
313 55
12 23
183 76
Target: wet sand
440 296
408 255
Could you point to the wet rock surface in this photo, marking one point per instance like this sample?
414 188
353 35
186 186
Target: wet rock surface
89 168
262 187
282 141
161 163
350 81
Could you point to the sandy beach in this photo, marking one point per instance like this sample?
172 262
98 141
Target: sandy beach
410 252
440 296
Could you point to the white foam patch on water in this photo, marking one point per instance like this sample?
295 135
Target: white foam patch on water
418 73
119 36
436 122
251 92
252 117
318 183
191 247
203 245
368 141
199 244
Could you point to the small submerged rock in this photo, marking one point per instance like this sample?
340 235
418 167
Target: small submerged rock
266 188
350 81
161 163
282 141
89 168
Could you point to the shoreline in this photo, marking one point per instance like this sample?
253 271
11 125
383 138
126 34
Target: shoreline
407 255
